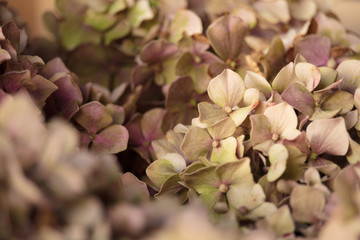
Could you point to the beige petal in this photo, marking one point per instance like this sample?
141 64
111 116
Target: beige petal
227 89
281 117
328 136
278 156
308 75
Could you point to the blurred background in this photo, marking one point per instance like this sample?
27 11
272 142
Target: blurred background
31 11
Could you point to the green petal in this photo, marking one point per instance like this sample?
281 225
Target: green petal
140 12
73 34
223 129
210 114
120 30
349 70
254 80
99 21
205 181
284 78
159 171
339 100
328 77
197 142
260 129
117 6
185 21
225 152
353 155
238 172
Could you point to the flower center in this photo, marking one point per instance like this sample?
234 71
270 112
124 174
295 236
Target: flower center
228 109
215 144
313 155
275 137
223 188
197 59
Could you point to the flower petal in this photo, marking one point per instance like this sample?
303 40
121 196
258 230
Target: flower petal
308 74
112 139
306 203
314 48
328 136
159 171
284 78
227 89
225 152
254 80
278 156
93 117
281 117
349 70
226 34
197 142
185 21
300 98
210 114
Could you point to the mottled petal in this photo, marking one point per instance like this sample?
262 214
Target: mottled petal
93 117
112 139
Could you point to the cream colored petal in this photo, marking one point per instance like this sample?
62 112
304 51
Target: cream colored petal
281 117
227 89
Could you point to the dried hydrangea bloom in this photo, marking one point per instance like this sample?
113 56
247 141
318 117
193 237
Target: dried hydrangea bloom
100 131
278 123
